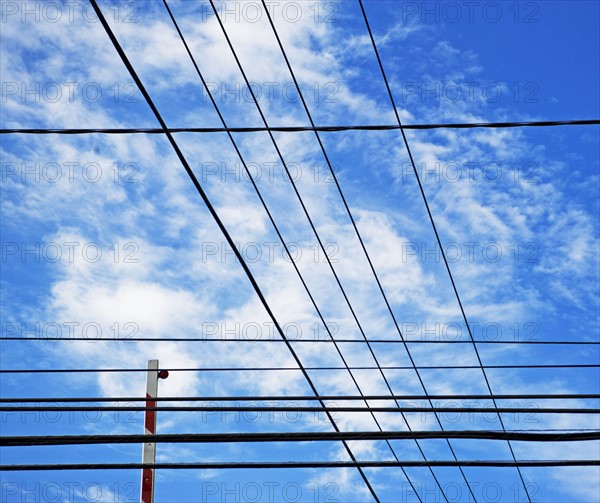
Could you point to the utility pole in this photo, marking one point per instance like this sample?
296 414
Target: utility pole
149 448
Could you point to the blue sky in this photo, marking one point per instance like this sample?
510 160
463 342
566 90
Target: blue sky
105 233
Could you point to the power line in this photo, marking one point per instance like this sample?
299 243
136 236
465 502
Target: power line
300 408
282 369
345 341
299 464
39 440
298 129
562 396
421 189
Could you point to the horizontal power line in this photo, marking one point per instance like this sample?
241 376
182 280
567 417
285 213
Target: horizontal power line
282 369
361 341
299 464
578 396
329 436
296 408
295 129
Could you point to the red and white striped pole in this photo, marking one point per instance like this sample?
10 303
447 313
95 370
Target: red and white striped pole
149 448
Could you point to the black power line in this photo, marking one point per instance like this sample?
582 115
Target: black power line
429 213
299 464
300 408
39 440
281 369
298 129
345 341
562 396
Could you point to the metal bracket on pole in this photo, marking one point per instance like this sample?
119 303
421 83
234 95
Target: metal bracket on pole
149 449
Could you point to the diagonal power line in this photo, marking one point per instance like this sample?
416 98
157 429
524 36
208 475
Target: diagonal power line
431 219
